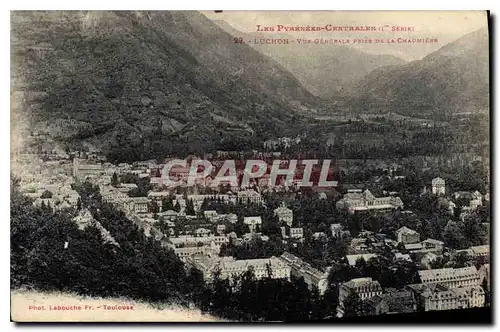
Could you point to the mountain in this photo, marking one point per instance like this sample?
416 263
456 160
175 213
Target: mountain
323 69
139 84
453 79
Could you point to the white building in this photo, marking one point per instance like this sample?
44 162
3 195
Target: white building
365 288
284 214
437 296
138 204
83 169
249 196
451 277
355 201
313 277
252 223
296 232
228 267
438 186
406 235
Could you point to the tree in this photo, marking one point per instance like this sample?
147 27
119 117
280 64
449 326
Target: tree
452 236
46 194
353 305
487 293
177 207
190 207
114 180
166 204
153 207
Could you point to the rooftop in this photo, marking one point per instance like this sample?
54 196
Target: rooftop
436 274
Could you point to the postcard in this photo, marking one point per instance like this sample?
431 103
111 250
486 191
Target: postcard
250 166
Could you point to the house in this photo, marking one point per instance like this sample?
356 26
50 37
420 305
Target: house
202 232
392 302
438 186
405 257
221 229
365 288
319 235
284 214
481 251
296 232
299 268
233 218
138 204
432 244
126 187
407 236
358 246
210 214
252 223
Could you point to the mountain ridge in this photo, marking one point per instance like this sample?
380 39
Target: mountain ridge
452 79
150 81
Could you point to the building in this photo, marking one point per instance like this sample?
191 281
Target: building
300 269
431 244
406 235
158 196
451 277
401 256
296 232
438 186
185 252
186 246
202 232
284 214
210 215
252 223
437 296
365 288
82 169
249 196
221 228
229 268
355 201
126 187
186 241
481 251
425 247
393 302
138 204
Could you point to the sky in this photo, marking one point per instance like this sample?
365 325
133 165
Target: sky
446 26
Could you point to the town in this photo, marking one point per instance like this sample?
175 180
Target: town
381 245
